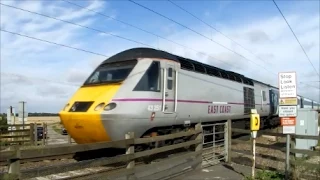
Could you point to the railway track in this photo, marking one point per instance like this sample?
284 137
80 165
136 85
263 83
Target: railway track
47 158
86 173
99 171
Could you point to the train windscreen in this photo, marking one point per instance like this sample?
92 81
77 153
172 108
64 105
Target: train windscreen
111 72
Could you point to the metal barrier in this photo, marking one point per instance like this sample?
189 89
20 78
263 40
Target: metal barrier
215 143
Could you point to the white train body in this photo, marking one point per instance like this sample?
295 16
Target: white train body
164 91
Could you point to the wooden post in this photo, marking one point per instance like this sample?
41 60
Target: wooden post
35 130
44 126
278 131
31 134
293 162
227 140
198 147
14 164
130 150
69 139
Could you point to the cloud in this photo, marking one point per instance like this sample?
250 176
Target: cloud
48 74
35 71
257 36
270 40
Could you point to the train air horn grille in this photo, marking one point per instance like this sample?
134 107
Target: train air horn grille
81 106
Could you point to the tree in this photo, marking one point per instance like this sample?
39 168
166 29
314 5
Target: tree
3 122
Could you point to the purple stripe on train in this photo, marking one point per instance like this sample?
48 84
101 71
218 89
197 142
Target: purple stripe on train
171 100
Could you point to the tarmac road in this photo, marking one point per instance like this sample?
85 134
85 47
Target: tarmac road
55 137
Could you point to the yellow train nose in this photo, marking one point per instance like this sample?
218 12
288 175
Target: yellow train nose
82 116
84 127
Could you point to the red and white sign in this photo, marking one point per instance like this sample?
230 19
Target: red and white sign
288 121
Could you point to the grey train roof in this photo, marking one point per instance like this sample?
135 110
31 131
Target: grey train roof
187 64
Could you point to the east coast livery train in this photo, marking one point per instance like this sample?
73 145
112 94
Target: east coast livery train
148 91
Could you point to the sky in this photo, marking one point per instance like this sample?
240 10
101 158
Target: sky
248 37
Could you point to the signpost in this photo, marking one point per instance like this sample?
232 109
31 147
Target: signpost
288 108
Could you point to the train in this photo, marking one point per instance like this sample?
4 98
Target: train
152 92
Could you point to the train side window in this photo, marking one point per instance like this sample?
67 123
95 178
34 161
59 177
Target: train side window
170 78
169 72
264 96
150 81
169 85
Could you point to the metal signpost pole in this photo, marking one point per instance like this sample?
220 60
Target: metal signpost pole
287 157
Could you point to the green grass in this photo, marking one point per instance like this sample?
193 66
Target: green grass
266 175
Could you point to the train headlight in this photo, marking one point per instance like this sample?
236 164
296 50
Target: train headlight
110 106
99 106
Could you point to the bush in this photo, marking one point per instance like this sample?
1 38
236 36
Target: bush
3 122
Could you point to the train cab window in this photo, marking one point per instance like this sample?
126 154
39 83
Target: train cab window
150 81
111 72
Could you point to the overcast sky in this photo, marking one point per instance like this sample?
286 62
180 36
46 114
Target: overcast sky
46 75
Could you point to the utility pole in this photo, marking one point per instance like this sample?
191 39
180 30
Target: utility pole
9 118
23 114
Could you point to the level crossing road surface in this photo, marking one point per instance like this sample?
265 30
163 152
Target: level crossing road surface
55 137
220 171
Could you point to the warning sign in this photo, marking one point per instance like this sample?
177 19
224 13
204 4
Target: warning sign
287 84
288 101
287 111
288 121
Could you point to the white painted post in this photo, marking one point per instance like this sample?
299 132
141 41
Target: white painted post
253 157
227 140
130 150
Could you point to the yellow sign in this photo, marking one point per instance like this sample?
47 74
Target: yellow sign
254 122
288 101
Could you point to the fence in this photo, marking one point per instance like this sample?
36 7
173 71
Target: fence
156 170
215 143
18 134
168 166
33 134
307 170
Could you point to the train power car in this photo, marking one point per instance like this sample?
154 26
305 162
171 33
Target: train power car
148 92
